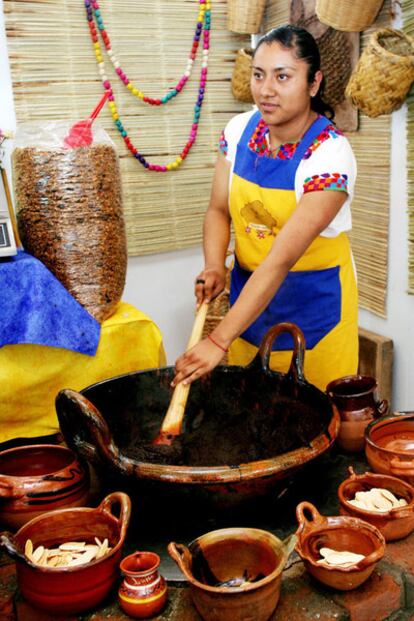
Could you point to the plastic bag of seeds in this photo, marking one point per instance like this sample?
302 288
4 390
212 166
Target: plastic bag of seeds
69 211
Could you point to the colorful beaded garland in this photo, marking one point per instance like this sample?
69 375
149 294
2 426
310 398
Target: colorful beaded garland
93 13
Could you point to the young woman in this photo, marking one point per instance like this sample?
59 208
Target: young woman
285 179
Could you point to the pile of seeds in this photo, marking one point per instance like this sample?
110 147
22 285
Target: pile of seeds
377 499
336 558
69 554
69 211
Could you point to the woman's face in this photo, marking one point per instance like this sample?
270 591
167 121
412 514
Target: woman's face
279 84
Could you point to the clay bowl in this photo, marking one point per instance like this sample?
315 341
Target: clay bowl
394 524
39 478
338 533
294 420
234 573
70 590
389 445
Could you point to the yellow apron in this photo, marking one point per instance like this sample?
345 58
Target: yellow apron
319 294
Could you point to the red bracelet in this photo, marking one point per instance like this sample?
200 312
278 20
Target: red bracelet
217 344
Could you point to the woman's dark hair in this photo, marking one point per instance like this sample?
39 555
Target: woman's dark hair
306 48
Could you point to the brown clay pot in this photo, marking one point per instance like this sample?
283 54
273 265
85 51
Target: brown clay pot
355 397
234 573
39 478
394 524
70 590
143 592
339 533
389 445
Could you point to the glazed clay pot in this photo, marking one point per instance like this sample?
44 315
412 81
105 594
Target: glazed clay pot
39 478
143 592
70 590
390 445
394 524
338 533
234 573
355 397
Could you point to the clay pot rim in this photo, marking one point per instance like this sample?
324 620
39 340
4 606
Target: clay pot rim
341 380
76 568
253 470
342 520
384 421
27 447
391 513
140 572
250 586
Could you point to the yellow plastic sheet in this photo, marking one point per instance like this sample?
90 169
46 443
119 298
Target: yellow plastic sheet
32 375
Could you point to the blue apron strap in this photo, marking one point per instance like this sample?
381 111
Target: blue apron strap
250 127
313 132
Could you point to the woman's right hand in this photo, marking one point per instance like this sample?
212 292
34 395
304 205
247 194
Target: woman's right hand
209 283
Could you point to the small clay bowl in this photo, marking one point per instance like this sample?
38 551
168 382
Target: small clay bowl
389 445
394 524
338 533
234 573
39 478
70 590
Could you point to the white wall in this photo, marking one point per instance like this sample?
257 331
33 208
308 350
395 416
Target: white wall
161 285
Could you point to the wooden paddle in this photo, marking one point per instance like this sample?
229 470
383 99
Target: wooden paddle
173 420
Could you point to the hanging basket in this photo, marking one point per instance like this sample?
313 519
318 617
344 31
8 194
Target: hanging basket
240 80
384 73
245 16
348 15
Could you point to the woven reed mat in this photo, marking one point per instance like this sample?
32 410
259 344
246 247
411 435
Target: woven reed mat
370 207
408 26
55 76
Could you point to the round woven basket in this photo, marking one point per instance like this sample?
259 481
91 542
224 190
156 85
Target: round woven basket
240 80
348 15
384 73
245 16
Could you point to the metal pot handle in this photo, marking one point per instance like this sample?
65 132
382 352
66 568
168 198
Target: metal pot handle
75 412
182 556
298 354
125 503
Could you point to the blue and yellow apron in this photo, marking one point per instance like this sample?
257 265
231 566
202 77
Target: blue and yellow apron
319 294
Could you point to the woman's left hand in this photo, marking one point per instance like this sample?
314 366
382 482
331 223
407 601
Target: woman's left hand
197 361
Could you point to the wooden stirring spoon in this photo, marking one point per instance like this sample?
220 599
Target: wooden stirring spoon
173 420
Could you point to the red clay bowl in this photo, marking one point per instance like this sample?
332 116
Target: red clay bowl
389 445
234 573
70 590
339 533
39 478
394 524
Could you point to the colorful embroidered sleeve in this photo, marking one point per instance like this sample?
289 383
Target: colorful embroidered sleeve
223 146
326 181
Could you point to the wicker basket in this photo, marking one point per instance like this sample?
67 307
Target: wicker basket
245 16
240 80
348 15
384 73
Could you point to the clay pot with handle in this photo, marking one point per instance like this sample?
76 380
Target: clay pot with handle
234 573
340 533
69 590
355 397
143 592
39 478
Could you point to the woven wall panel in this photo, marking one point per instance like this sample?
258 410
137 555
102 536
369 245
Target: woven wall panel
408 21
55 76
370 208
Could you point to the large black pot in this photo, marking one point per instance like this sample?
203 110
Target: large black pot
295 420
